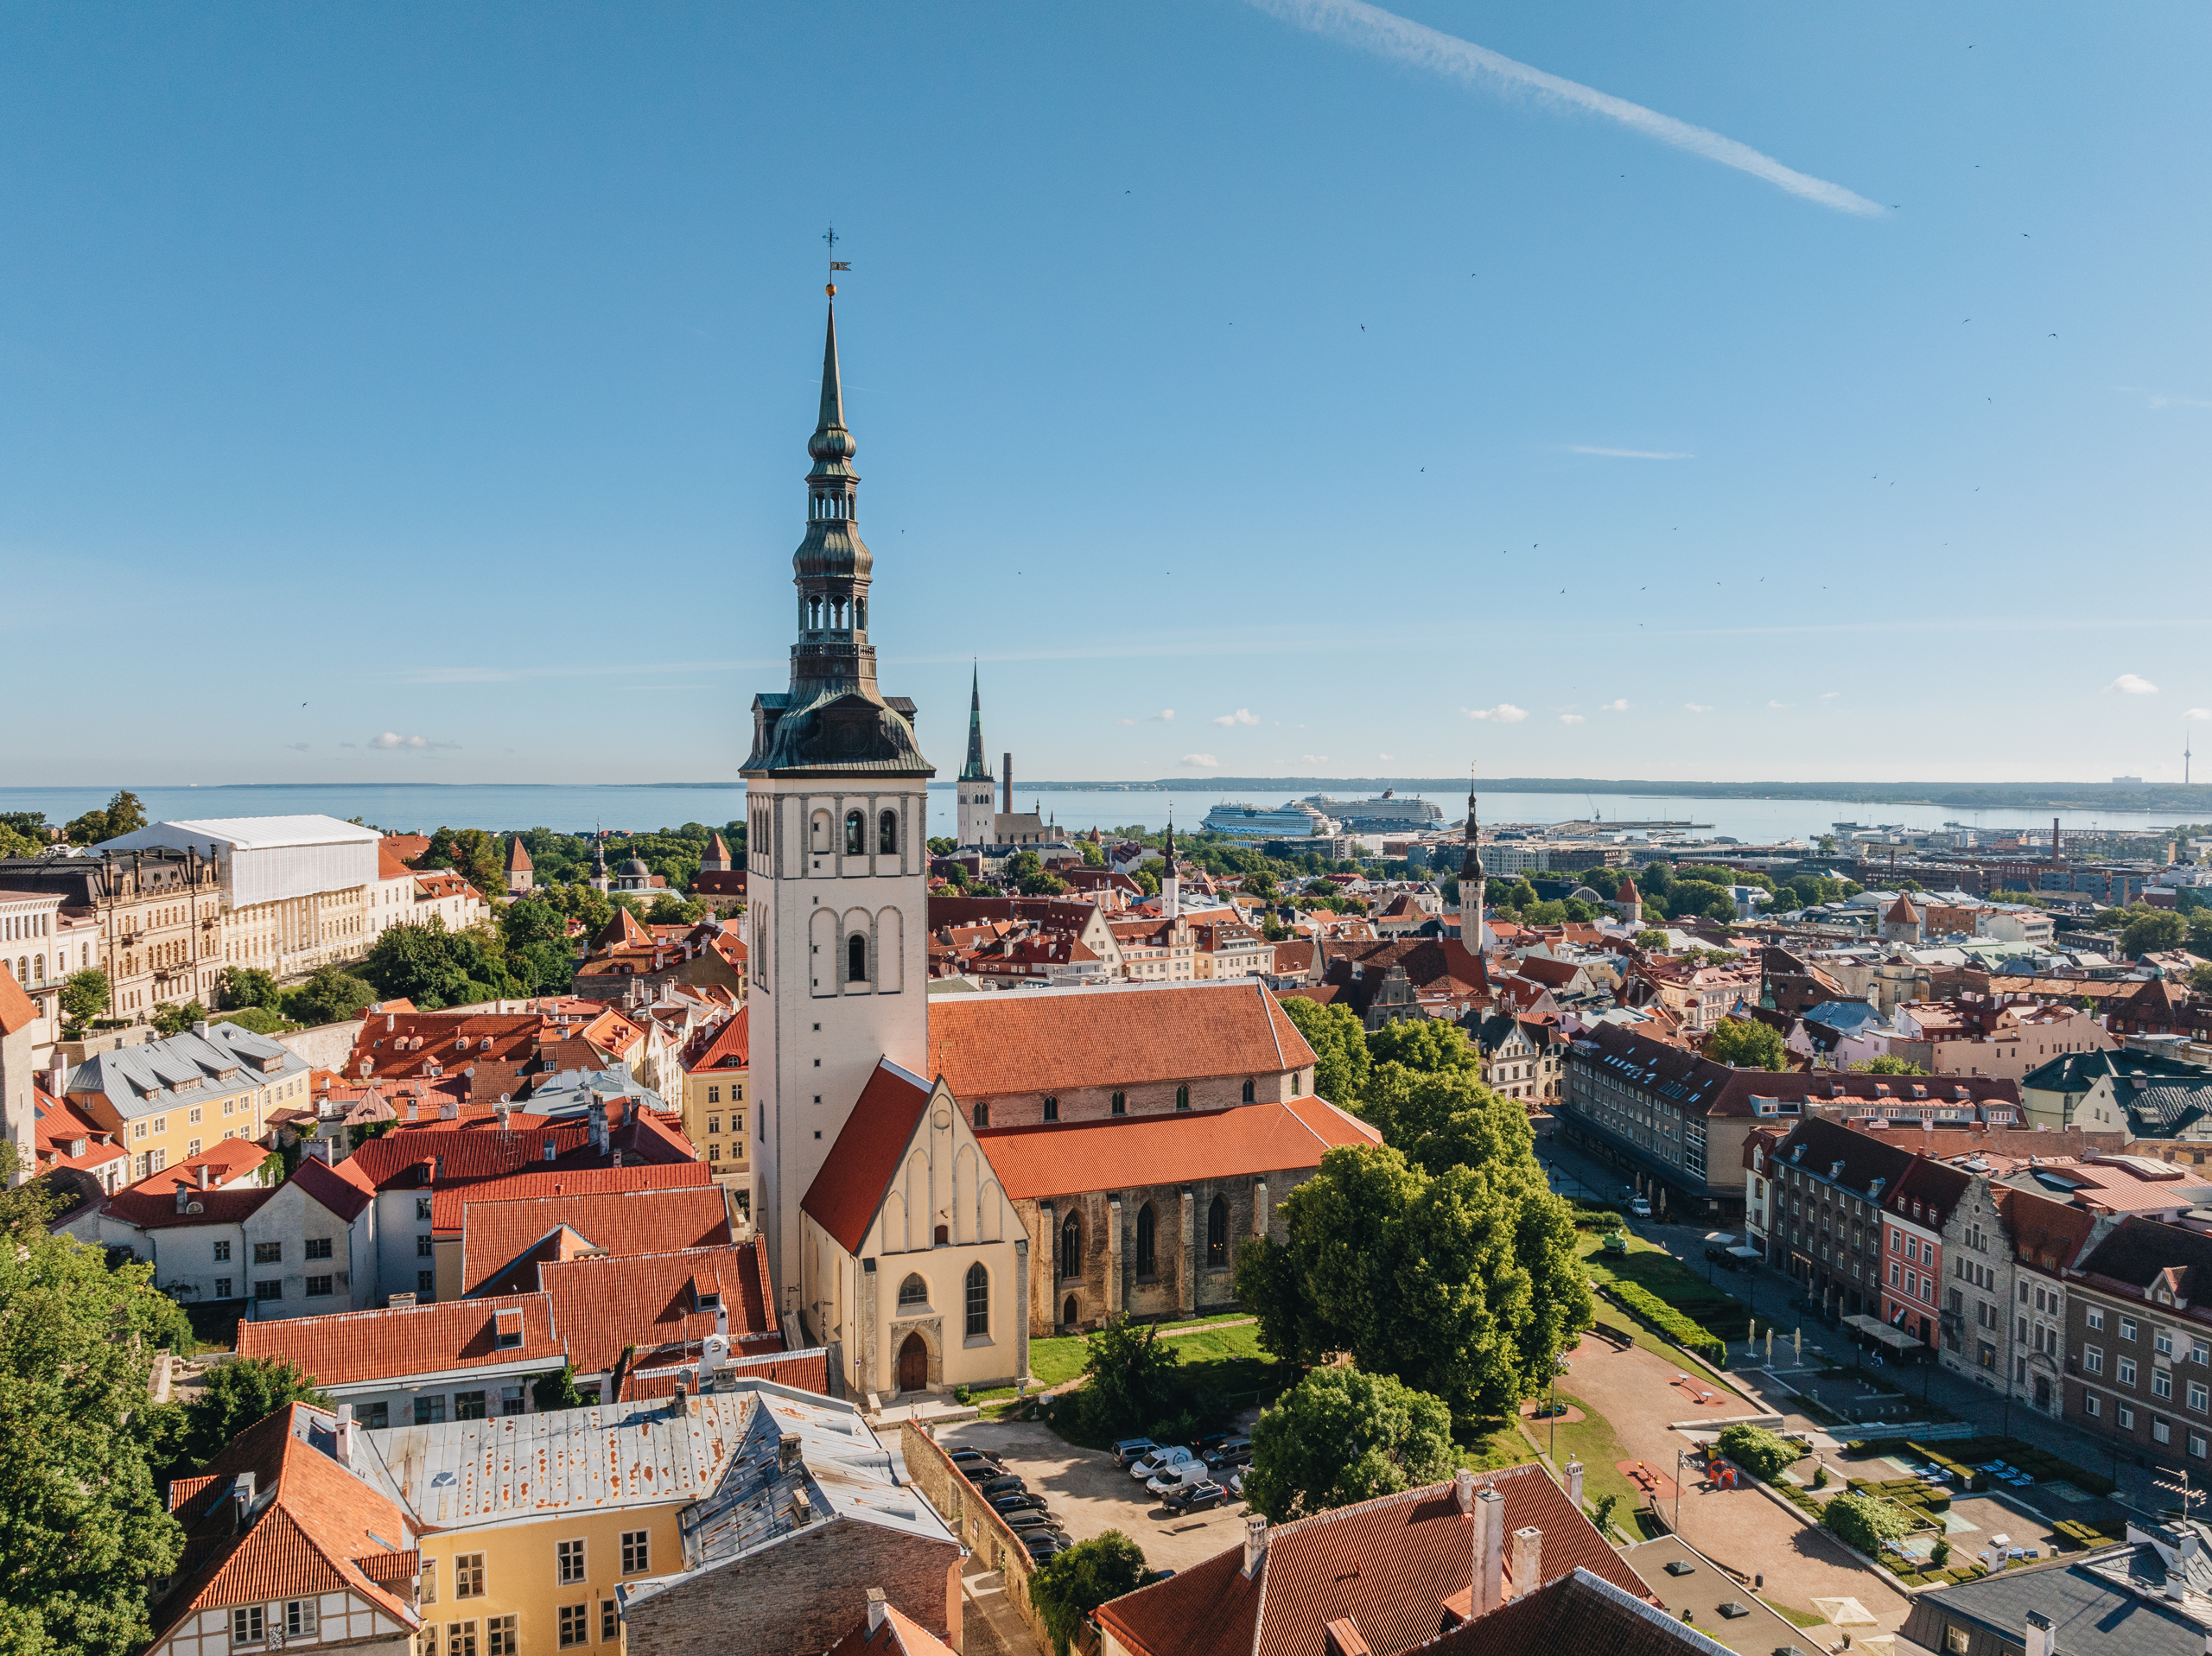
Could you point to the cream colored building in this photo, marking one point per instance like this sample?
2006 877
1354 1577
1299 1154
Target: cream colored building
911 1255
717 1114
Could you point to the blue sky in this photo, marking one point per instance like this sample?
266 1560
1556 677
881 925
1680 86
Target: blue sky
447 371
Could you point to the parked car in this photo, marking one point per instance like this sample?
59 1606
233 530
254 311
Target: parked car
1179 1475
1018 1522
1009 1485
1008 1504
1229 1451
1213 1440
1131 1450
1042 1544
1640 1209
976 1471
1195 1497
1236 1483
1152 1464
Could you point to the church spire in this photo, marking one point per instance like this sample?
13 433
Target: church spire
832 568
1473 935
976 769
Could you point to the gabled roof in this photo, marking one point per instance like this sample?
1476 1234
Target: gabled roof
870 1146
600 1305
1063 1158
351 1347
501 1241
899 1636
1388 1565
518 857
452 1199
17 1012
1127 1035
149 1210
2136 1250
314 1528
728 1047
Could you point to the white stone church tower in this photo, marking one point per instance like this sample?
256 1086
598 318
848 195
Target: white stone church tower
978 823
836 858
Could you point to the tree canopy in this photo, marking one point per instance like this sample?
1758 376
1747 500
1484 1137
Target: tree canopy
236 1395
1340 1062
1342 1435
1746 1044
1130 1374
2151 930
435 968
1068 1586
123 814
1887 1065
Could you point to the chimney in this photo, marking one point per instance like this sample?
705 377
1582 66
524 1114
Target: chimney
241 1498
2042 1641
206 1177
199 1028
450 1110
1256 1541
598 1123
348 1435
787 1451
1490 1561
183 1193
1463 1490
876 1607
1574 1483
1528 1560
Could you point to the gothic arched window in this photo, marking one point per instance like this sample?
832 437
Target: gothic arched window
1249 1091
886 834
855 834
982 1115
1148 1242
856 958
1071 1248
913 1291
979 1300
1217 1234
1183 1098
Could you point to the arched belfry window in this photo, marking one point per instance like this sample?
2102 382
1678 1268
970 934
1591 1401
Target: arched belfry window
855 834
982 1115
1071 1248
1217 1234
886 834
1148 1242
856 958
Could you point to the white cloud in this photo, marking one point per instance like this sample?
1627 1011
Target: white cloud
1241 716
1165 716
1778 704
392 739
1627 453
1504 714
1388 36
2198 713
2130 684
1830 695
1203 761
1387 758
1618 705
1694 707
297 747
1571 719
1314 759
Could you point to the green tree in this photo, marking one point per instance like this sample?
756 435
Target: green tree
1887 1065
1341 1064
1067 1587
556 1390
670 910
1865 1521
1462 1283
1758 1451
236 1395
478 857
260 1019
331 995
2200 980
1425 1044
436 969
17 838
1147 881
1044 882
529 920
84 995
1342 1435
2151 930
1746 1044
1651 939
1093 856
1131 1375
1699 898
123 814
1024 864
585 903
169 1018
81 1523
238 986
943 845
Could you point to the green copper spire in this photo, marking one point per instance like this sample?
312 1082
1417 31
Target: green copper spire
976 770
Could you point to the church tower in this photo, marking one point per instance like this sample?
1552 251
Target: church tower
836 858
977 783
1473 936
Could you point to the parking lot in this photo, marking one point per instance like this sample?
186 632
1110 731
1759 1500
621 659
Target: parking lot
1089 1494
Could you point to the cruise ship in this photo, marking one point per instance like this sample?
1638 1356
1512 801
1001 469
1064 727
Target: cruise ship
1386 811
1296 820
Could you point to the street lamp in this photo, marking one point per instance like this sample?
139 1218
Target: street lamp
1682 1459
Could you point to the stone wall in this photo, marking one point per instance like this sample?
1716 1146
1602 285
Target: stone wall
982 1530
803 1594
327 1046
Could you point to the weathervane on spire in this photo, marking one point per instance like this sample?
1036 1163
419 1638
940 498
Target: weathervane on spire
835 264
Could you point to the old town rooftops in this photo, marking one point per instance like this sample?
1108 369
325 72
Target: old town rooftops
451 1200
209 1062
1123 1152
354 1347
1700 1087
500 1239
1056 1040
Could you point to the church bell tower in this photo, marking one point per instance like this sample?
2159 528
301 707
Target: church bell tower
836 858
977 783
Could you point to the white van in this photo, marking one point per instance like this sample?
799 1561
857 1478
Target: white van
1178 1475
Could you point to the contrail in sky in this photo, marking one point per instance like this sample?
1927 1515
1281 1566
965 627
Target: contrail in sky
1389 36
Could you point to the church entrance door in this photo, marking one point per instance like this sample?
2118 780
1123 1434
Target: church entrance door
914 1364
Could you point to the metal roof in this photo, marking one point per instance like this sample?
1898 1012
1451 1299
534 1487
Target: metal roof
181 1069
246 833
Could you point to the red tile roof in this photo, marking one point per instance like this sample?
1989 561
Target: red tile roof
150 1211
729 1047
447 1205
496 1236
988 1044
407 1043
1389 1565
1063 1159
848 1190
899 1636
353 1347
226 1161
17 1012
315 1527
602 1305
342 1197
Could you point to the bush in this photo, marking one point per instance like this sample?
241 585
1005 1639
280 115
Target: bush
1940 1554
1069 1586
1821 1477
1758 1451
1672 1323
1865 1521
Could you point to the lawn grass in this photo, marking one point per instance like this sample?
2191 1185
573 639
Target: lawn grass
1493 1445
1804 1619
1651 1267
1591 1440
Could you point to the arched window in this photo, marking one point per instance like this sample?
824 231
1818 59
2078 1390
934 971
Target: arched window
1183 1098
1217 1234
1297 1083
886 833
1051 1109
1068 1313
979 1300
856 958
1120 1105
1148 1242
1250 1094
982 1115
913 1291
1071 1248
855 834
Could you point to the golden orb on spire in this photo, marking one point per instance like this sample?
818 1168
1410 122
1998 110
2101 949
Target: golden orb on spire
829 288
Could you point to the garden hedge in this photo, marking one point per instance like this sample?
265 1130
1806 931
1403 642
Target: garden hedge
1672 1323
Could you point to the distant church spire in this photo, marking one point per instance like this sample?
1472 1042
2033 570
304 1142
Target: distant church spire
977 769
1170 884
1472 934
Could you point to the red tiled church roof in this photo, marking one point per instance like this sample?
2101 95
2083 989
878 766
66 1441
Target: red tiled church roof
1062 1158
